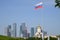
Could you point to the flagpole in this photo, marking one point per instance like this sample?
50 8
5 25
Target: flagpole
37 6
42 36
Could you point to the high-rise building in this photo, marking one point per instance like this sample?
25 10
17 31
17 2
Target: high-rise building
25 33
28 34
32 32
14 30
9 30
23 30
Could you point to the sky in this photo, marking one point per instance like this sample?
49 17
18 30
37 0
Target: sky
20 11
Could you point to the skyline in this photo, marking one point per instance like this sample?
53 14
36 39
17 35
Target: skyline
19 11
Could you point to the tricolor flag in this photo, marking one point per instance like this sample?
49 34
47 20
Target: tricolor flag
39 5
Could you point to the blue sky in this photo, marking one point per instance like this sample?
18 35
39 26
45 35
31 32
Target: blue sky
20 11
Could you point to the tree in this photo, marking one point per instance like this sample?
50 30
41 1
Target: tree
57 3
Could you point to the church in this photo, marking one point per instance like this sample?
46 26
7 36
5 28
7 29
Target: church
39 32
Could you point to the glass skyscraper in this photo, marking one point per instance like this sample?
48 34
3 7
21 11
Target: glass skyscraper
14 30
9 30
32 32
23 30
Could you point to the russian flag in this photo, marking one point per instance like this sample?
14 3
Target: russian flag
39 5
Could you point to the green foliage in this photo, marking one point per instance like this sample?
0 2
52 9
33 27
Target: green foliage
45 38
57 3
31 38
53 38
9 38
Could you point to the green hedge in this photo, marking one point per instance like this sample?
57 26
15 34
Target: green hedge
53 38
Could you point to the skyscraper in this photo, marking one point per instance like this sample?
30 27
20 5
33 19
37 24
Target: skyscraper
9 30
25 33
23 30
14 30
32 32
28 34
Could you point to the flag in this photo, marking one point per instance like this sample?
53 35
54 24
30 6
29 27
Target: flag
39 5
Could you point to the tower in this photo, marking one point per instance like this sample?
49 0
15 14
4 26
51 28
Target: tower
39 29
23 30
9 30
14 30
32 32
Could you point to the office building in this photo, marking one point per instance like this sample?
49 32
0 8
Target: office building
23 30
32 32
14 30
9 30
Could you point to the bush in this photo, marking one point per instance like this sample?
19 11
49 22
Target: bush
31 38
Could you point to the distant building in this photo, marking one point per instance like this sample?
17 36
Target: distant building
25 33
23 30
28 34
14 30
20 31
39 32
32 32
9 30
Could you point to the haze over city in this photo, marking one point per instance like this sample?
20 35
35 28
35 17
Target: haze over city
22 11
